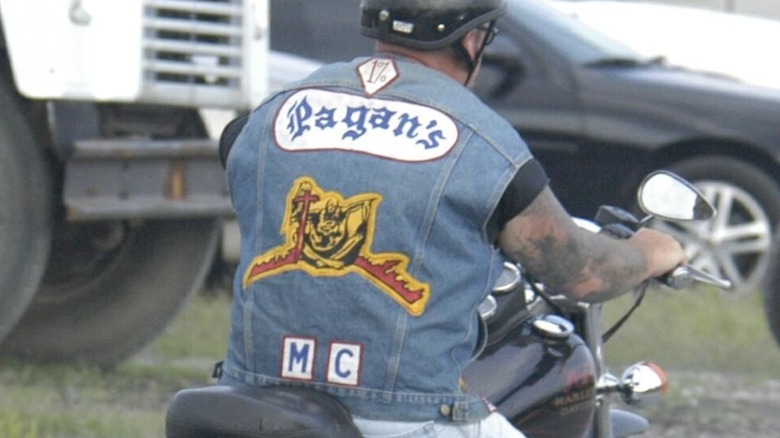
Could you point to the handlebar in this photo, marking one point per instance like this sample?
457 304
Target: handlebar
682 277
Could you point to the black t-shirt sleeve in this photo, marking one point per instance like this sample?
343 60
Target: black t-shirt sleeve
229 135
528 182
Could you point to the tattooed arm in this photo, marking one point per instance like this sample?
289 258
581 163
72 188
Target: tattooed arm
580 264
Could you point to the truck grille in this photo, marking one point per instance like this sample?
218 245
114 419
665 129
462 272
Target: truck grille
192 51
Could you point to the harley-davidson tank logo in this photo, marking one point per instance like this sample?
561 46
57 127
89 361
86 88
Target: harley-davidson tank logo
330 236
313 119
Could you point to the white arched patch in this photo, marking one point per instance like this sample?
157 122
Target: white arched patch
314 119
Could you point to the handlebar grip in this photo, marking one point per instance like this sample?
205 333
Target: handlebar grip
679 278
683 276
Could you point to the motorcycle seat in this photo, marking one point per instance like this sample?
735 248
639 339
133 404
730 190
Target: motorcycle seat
252 412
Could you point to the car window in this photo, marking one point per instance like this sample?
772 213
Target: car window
580 43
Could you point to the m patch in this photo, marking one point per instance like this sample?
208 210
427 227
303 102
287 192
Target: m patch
298 358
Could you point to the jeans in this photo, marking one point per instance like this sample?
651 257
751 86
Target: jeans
494 426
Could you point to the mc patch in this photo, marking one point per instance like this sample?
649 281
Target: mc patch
298 358
330 236
344 363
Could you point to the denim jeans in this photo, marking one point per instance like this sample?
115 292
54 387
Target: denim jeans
494 426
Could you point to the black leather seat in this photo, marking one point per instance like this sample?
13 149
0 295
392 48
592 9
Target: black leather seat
251 412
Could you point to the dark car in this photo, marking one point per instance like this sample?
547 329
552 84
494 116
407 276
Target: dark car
599 116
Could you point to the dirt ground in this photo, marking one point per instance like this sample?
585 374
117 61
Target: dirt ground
710 405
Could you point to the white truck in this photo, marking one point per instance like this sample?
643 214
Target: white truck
111 190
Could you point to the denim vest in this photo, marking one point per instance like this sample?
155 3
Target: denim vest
362 195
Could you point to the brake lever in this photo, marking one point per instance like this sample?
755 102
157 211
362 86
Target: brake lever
683 276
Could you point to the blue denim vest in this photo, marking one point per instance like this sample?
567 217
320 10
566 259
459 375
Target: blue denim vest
362 195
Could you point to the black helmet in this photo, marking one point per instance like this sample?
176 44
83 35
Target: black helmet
425 24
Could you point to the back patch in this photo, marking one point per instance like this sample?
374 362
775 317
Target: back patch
313 119
328 235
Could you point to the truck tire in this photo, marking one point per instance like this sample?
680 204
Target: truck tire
25 211
99 306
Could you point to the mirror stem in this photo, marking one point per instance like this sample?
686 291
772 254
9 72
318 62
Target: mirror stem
646 220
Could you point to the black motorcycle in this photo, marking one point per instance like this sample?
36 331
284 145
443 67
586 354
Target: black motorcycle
543 367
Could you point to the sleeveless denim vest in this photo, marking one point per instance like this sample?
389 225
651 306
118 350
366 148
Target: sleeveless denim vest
362 195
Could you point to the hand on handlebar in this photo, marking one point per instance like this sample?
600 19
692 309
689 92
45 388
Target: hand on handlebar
663 253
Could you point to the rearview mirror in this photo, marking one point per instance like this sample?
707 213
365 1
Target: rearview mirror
667 196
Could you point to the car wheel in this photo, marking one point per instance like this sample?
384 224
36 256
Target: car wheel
736 243
25 211
111 288
771 290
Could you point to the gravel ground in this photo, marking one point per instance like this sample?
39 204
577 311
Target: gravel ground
709 405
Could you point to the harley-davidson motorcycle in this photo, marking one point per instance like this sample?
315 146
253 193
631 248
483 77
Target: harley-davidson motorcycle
543 367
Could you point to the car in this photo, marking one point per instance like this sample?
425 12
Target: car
735 45
600 116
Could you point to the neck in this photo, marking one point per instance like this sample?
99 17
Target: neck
444 60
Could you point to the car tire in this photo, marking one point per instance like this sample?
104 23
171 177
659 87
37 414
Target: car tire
771 291
100 303
736 243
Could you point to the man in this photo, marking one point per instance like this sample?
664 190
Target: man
377 201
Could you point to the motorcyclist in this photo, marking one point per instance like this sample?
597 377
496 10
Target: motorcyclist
377 201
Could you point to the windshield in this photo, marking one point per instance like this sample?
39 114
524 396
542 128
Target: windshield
579 42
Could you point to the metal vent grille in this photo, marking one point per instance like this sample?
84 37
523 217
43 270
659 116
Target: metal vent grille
193 51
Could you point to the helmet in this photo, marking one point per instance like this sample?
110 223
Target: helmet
425 24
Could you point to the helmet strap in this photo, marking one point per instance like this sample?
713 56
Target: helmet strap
471 64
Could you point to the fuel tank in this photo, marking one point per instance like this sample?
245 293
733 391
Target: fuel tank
541 376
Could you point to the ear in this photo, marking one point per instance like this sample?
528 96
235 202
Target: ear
472 41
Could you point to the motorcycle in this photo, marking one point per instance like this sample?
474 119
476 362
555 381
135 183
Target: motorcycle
543 367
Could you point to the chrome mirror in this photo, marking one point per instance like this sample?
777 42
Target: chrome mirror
667 196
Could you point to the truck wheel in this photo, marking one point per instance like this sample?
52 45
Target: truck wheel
111 288
25 212
737 243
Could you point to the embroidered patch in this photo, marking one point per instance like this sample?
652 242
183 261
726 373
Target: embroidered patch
312 119
376 74
329 236
298 358
344 363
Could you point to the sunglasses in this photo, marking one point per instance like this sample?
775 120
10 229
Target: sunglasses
491 31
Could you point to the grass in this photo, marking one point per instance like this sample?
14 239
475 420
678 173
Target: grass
699 329
702 328
39 401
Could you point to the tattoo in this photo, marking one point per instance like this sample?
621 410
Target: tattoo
569 260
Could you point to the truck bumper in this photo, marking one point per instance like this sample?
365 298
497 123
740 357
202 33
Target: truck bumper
123 179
